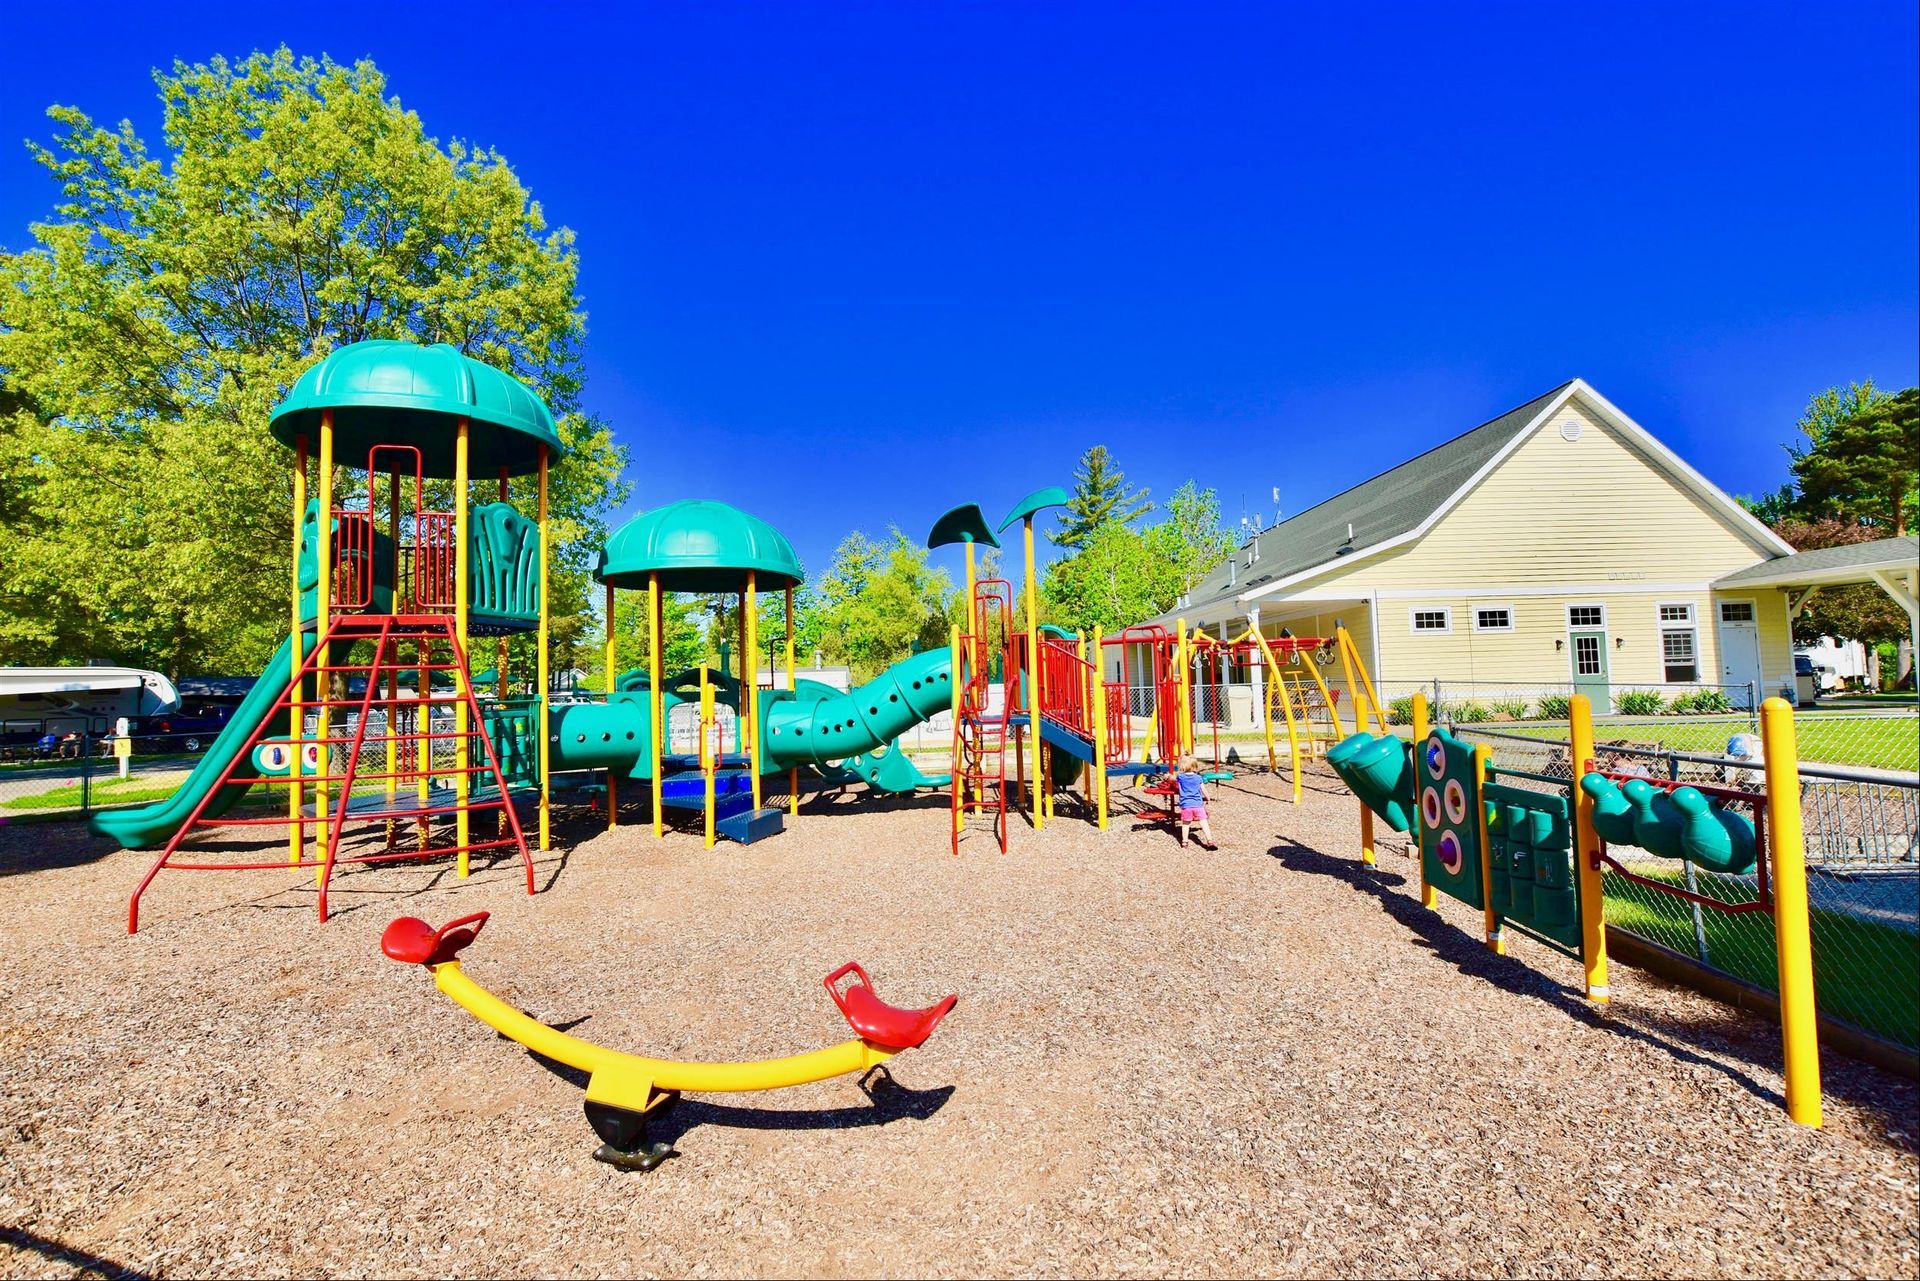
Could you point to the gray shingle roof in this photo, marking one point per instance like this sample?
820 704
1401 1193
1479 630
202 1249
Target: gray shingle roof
1384 507
1822 562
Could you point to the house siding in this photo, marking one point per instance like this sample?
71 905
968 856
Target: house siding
1558 522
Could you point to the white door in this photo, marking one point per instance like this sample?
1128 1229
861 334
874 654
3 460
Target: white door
1739 651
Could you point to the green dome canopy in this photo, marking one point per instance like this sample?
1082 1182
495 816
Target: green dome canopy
385 392
699 546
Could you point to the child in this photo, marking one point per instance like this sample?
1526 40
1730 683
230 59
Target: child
1192 801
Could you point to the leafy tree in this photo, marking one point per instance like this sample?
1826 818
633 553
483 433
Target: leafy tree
686 626
1190 542
1834 405
173 297
1123 575
880 601
1101 496
1770 508
1866 466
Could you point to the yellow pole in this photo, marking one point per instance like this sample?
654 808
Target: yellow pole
500 650
613 802
959 782
1496 937
972 626
1798 1023
706 745
1350 650
1422 726
1279 682
1367 855
1293 736
423 753
462 595
297 711
1346 673
1032 674
1366 836
393 672
656 702
753 684
793 773
542 675
323 619
1181 719
1099 734
1586 847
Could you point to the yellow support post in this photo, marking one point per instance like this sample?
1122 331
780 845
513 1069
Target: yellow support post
542 675
1279 682
423 745
1586 849
1352 651
1422 726
793 773
1032 674
1099 735
656 703
393 673
1181 703
753 685
959 785
613 800
706 745
297 712
323 619
1367 855
462 596
1496 937
1346 673
1799 1025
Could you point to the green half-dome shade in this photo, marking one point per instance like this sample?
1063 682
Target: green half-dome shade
964 524
1038 500
699 546
386 392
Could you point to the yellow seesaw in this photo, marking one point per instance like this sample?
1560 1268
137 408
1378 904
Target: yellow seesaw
624 1090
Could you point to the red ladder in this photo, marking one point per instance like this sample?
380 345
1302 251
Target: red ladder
434 648
979 731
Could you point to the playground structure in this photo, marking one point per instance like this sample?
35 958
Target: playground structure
1527 849
626 1091
1064 720
373 685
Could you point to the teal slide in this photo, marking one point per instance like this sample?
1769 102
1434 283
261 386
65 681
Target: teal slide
151 825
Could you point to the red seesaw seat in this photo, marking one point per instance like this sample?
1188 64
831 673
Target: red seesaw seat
412 940
874 1021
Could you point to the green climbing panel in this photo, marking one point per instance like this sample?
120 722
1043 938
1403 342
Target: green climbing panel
1449 825
1530 853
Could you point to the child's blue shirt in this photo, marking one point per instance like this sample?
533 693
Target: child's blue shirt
1191 795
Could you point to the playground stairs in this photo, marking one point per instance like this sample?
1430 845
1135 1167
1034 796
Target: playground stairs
375 765
980 730
749 826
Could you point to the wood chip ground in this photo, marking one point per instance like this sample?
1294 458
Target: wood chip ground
1267 1059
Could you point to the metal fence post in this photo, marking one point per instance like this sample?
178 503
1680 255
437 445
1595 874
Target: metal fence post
1693 880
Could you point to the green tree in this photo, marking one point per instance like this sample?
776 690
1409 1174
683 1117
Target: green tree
1189 543
1122 575
1101 496
880 601
173 297
1865 466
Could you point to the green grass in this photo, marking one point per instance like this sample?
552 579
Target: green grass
1864 972
103 791
1891 743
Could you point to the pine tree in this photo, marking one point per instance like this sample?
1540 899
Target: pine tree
1101 496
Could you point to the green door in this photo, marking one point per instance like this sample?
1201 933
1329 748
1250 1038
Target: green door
1590 667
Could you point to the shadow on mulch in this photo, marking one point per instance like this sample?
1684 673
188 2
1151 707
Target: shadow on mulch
1733 1033
47 845
887 1101
84 1263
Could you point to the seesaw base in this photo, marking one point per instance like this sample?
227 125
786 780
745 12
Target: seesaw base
623 1132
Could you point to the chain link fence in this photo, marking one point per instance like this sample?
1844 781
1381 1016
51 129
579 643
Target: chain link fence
1862 830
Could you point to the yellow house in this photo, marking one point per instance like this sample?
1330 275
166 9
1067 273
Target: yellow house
1557 547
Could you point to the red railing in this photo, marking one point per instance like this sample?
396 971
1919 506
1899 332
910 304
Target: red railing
1119 723
352 559
433 564
1064 676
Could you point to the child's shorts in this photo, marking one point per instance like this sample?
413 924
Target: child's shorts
1193 814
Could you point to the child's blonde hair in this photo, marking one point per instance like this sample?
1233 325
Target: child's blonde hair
1188 765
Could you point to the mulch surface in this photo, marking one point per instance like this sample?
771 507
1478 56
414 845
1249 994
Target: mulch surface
1267 1059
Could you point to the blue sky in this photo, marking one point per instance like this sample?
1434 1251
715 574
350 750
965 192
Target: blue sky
849 265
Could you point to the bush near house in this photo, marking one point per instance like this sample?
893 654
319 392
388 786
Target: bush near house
1641 702
1556 707
1699 702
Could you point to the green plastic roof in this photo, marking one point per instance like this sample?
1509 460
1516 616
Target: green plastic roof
385 392
699 546
964 524
1038 500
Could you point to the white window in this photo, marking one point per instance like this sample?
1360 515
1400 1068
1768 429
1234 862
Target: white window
1736 611
1433 620
1493 618
1679 645
1586 616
